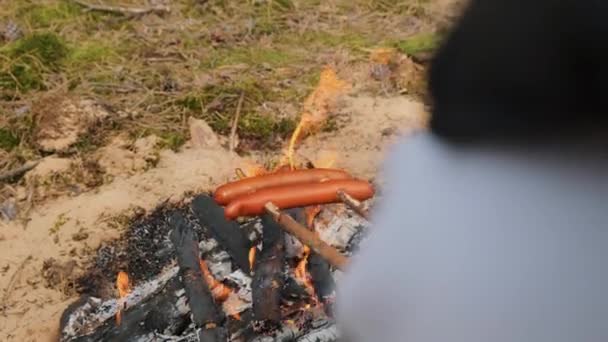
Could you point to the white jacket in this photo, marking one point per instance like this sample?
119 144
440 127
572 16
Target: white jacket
480 244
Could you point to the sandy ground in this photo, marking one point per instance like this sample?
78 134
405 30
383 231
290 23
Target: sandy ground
68 229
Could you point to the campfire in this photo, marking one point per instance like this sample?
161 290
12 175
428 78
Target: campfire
256 260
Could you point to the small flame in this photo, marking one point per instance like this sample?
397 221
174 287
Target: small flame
252 253
382 55
301 273
311 213
123 287
236 316
219 291
316 108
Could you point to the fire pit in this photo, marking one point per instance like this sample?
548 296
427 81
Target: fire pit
186 273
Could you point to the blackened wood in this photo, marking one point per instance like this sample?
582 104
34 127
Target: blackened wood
268 279
227 233
205 314
319 269
160 312
322 281
293 291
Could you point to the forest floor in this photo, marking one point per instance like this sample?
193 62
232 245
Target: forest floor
116 112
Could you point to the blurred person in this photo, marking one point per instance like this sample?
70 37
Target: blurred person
494 225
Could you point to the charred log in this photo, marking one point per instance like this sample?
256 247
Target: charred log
292 290
268 279
322 281
205 313
227 233
163 311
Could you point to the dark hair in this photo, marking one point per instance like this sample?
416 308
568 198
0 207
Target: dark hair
515 69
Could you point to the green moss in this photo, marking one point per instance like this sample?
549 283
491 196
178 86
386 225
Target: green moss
47 47
21 75
29 58
172 140
44 16
420 43
90 52
8 141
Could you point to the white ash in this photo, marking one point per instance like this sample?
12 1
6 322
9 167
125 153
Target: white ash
322 331
327 333
337 225
293 247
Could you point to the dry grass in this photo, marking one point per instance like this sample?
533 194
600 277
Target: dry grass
156 71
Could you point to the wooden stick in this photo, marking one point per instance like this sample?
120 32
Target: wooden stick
134 11
19 170
354 204
307 237
235 123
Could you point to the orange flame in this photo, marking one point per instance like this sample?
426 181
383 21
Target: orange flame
382 55
252 253
317 107
123 287
219 291
301 273
237 316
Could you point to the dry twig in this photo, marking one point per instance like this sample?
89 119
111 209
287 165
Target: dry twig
128 11
19 170
354 204
235 123
11 283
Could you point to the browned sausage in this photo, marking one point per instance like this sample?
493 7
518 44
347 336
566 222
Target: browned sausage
298 195
228 192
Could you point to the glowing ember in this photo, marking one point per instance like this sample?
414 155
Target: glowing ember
252 253
123 287
237 316
219 291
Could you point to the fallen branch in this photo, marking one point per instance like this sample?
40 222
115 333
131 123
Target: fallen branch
19 170
128 11
354 204
307 237
235 123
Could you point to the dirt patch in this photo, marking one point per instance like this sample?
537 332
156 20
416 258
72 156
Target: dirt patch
62 121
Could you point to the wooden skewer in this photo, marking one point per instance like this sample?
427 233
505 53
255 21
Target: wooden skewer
354 204
307 237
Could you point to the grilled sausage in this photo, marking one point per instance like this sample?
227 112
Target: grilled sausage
298 195
228 192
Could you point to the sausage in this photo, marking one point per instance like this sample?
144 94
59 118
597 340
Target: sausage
298 195
230 191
